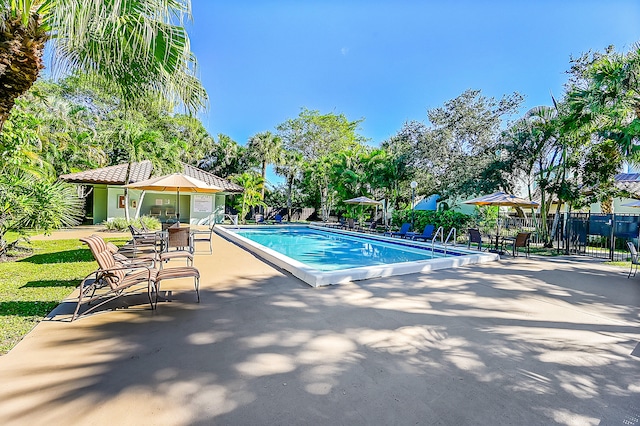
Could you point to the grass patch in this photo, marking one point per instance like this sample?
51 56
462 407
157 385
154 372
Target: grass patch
620 263
32 287
542 251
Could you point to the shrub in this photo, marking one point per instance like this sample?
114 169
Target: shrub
121 224
447 219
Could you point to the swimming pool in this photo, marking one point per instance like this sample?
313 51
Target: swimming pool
321 256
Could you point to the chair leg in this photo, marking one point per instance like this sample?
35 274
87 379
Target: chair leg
197 284
151 287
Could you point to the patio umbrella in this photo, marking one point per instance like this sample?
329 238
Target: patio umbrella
363 201
175 182
501 199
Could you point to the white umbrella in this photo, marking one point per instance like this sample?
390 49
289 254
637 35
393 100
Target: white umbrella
175 182
363 201
501 199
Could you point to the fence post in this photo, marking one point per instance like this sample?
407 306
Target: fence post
612 223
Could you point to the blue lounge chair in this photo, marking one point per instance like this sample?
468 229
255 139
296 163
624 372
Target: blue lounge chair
260 220
277 219
404 229
427 234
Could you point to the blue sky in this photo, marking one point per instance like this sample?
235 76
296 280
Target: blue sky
389 61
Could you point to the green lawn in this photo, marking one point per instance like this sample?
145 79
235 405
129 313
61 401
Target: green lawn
31 287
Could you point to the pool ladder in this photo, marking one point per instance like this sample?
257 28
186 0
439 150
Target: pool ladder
440 232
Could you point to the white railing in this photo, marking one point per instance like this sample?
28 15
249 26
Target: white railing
455 236
439 231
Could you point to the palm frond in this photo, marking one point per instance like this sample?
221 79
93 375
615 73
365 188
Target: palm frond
138 44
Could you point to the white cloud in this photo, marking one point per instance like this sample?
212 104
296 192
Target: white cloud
344 51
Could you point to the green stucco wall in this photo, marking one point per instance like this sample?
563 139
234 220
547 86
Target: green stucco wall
99 204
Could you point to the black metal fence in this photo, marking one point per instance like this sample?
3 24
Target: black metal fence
599 235
603 236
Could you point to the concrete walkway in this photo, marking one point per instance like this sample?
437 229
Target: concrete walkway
515 342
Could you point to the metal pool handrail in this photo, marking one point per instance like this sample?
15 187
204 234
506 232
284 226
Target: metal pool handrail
439 231
455 237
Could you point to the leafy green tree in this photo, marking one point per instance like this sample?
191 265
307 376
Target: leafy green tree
461 144
224 157
105 38
316 136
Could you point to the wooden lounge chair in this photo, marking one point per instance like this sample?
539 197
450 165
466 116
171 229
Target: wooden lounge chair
521 240
404 229
427 234
475 237
634 258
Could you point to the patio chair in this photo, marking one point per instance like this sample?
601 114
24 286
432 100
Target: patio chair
373 227
155 211
170 212
277 219
260 219
179 238
202 236
350 224
634 258
339 224
475 237
404 229
521 240
126 256
427 234
143 242
115 278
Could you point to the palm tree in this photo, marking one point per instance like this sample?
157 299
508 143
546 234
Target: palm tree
291 166
267 149
251 196
134 45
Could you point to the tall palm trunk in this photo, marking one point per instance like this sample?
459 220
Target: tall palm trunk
264 176
21 49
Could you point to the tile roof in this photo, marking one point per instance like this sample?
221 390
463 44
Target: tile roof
211 179
112 175
115 175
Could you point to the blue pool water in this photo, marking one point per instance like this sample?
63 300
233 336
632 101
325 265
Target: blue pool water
331 251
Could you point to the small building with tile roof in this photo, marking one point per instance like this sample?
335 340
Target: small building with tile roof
106 200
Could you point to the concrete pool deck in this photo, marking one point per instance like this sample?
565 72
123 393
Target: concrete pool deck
520 341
